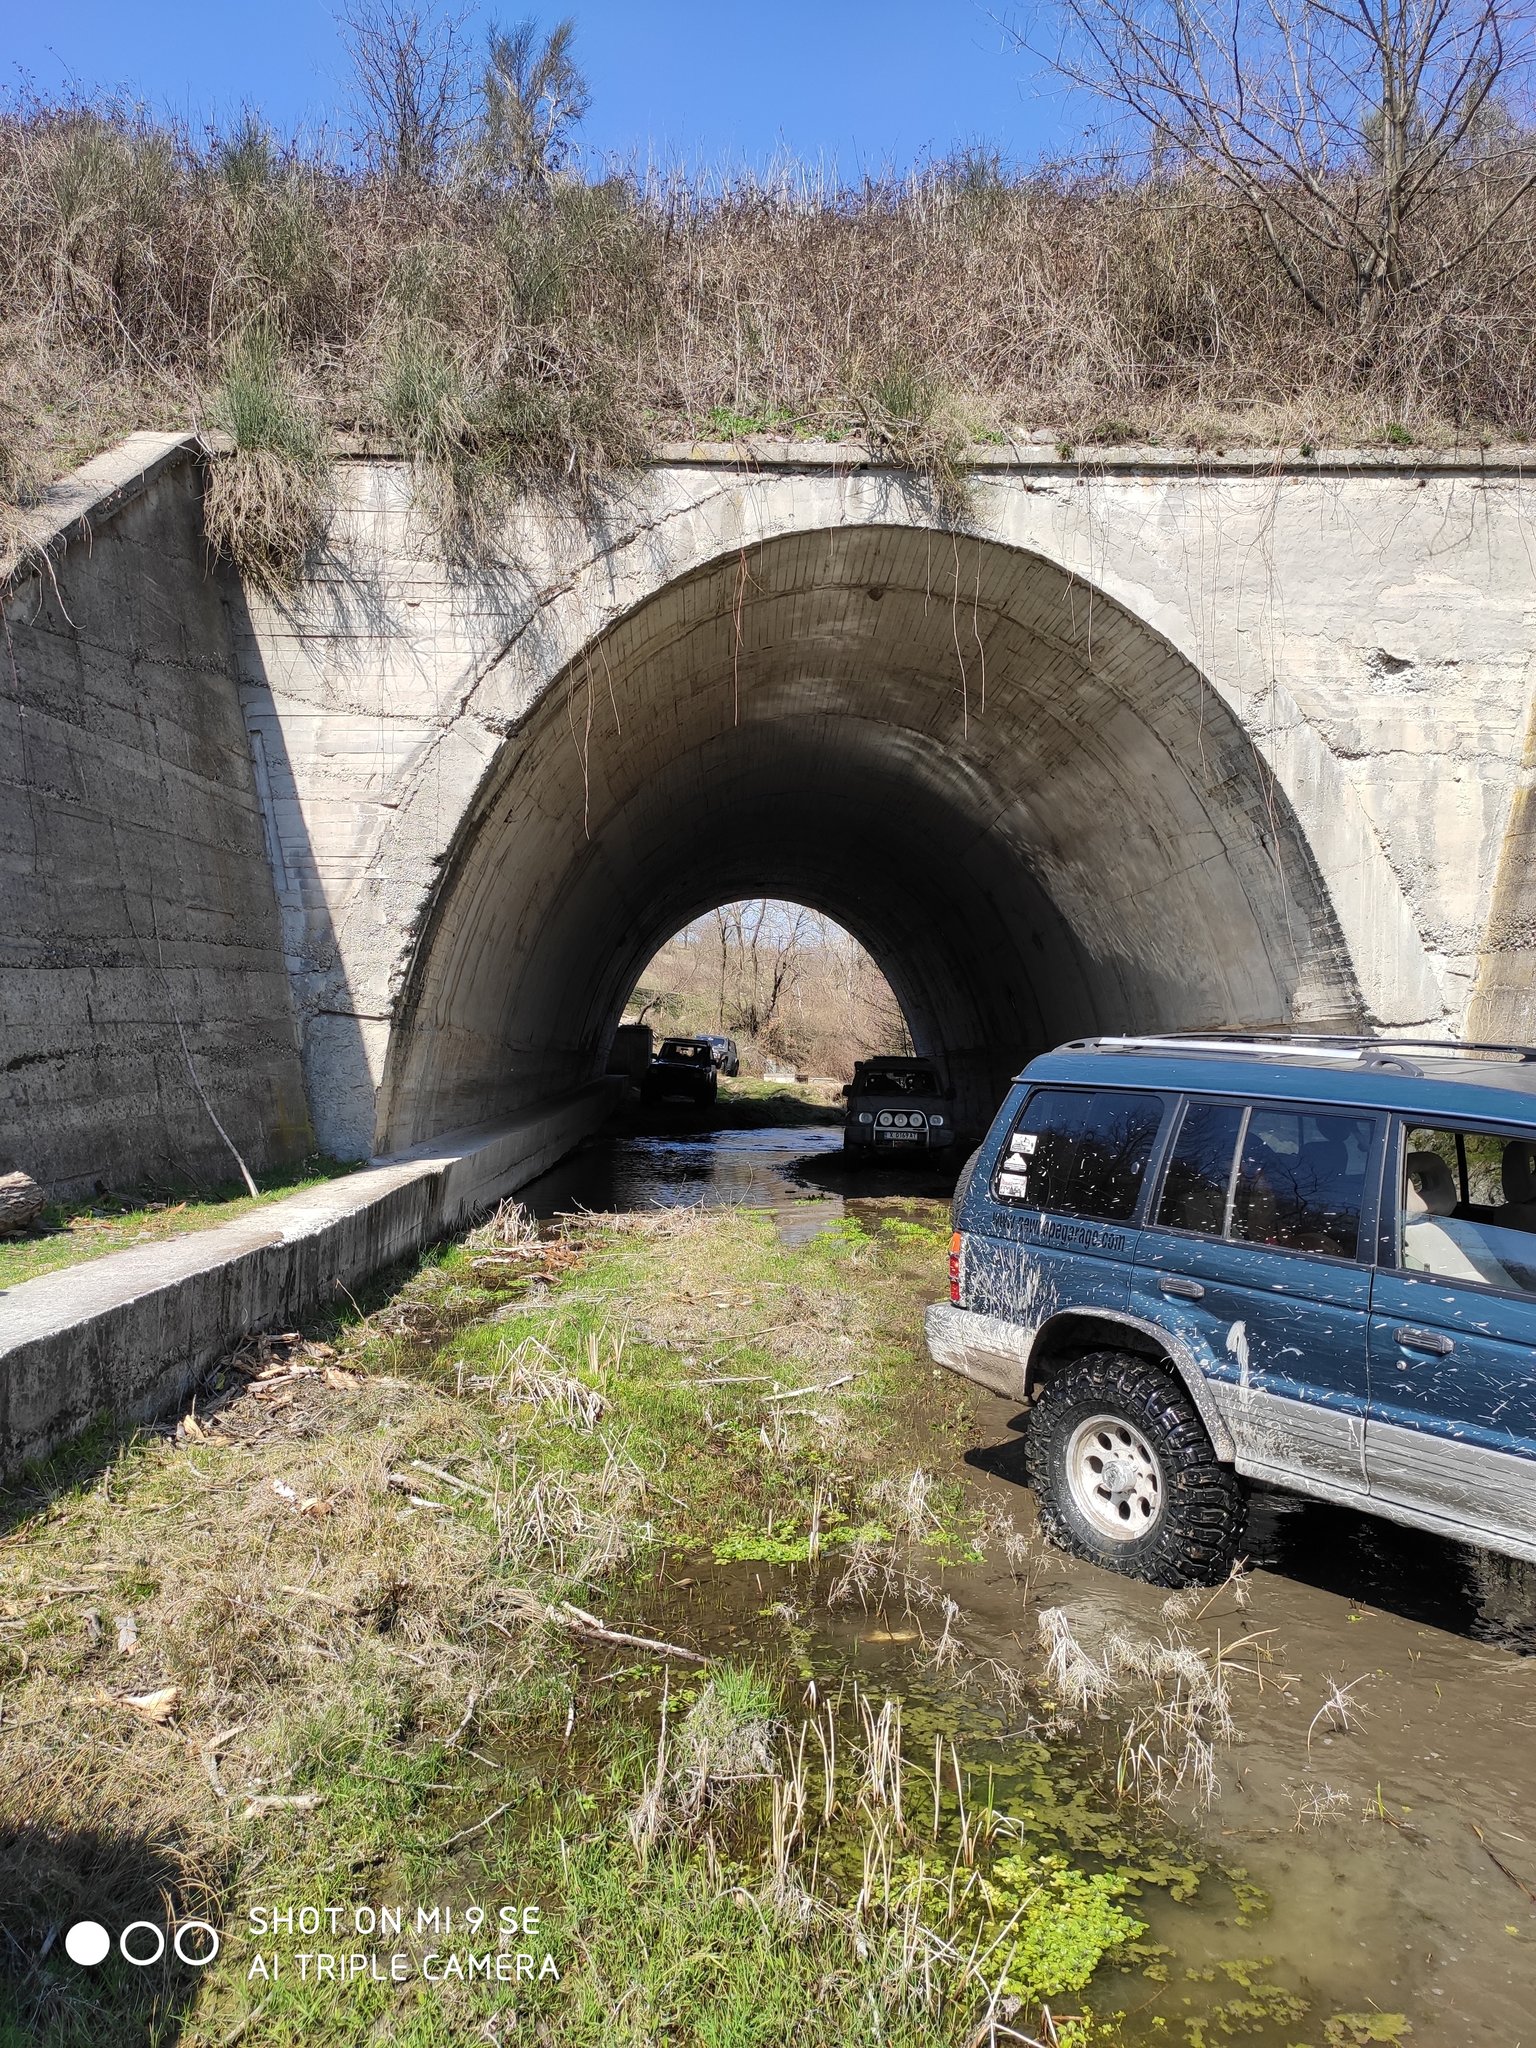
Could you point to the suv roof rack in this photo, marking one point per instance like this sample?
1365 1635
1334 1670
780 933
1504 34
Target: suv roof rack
1359 1049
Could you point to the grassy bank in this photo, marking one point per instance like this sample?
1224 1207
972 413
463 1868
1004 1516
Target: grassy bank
514 1596
153 278
68 1233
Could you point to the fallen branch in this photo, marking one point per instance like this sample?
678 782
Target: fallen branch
1518 1882
283 1802
581 1623
824 1387
458 1734
437 1472
479 1824
242 2027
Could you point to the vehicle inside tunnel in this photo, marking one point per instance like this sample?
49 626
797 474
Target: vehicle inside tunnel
1037 815
777 988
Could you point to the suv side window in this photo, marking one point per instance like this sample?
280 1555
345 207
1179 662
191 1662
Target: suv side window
1081 1151
1295 1178
1467 1207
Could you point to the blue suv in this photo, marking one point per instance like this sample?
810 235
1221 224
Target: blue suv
1305 1261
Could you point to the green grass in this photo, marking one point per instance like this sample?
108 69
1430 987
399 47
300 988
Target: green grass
719 1856
749 1102
69 1233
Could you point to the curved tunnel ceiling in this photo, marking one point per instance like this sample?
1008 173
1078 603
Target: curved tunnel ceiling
1033 812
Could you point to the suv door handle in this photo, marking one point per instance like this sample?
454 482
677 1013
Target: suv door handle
1423 1340
1187 1290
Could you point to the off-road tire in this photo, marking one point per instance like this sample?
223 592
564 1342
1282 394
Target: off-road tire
1198 1528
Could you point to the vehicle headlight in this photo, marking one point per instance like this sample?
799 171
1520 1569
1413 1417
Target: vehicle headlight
901 1119
884 1117
936 1121
865 1117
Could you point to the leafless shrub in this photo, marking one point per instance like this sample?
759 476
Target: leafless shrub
559 1393
1175 1695
1376 148
410 63
1080 1680
1195 1601
727 1738
906 1505
1316 1804
1339 1710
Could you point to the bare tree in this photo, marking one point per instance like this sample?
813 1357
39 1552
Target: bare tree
785 980
410 70
534 97
1368 135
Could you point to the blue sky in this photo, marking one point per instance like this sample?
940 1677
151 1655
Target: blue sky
853 83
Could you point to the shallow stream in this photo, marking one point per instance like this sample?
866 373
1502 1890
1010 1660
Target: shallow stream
1395 1839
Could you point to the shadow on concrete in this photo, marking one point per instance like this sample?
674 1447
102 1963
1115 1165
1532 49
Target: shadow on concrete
327 1025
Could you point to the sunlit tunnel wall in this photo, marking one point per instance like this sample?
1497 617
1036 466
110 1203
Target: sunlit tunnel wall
1030 809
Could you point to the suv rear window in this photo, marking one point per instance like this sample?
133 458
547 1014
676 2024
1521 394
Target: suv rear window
1081 1152
1264 1175
895 1081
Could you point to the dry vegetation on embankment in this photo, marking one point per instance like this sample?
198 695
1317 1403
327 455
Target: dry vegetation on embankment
504 340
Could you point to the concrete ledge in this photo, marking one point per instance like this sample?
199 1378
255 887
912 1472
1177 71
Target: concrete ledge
129 1334
94 491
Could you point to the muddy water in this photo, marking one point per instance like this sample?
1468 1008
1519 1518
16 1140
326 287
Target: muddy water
757 1169
1379 1836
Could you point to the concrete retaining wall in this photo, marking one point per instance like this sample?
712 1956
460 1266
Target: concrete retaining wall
141 960
128 1335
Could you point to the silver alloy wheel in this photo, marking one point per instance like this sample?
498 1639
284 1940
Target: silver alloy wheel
1114 1477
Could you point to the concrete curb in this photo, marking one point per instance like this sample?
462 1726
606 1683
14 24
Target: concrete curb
129 1334
94 491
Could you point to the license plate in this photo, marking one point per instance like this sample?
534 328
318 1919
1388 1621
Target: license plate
901 1137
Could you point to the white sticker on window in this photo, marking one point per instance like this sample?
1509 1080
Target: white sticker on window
1023 1141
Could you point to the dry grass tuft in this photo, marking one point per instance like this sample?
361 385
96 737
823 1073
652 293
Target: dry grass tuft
1175 1695
267 503
506 344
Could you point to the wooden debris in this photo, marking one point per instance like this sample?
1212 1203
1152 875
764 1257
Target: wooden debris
437 1472
155 1706
1502 1867
825 1387
583 1624
282 1802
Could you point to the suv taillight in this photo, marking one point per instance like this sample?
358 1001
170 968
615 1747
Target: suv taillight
956 1244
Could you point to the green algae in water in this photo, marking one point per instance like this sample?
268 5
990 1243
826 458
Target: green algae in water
791 1544
1055 1923
1259 2006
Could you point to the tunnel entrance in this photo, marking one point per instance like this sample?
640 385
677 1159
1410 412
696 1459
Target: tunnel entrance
793 990
1033 812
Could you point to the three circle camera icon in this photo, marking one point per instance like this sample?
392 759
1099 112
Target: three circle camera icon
142 1943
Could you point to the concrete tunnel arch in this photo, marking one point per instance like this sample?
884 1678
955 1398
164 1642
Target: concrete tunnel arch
1036 814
